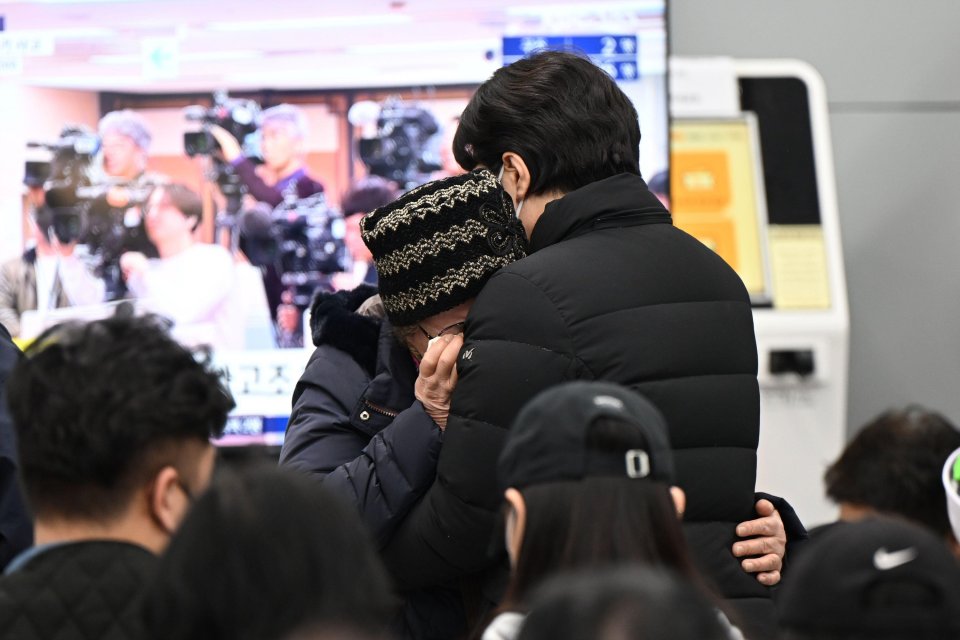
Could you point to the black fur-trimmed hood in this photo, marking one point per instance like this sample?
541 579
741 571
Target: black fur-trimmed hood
334 321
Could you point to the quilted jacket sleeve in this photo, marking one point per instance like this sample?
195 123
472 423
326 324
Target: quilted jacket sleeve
449 533
381 465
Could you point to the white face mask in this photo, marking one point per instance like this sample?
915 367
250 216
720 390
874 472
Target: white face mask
500 180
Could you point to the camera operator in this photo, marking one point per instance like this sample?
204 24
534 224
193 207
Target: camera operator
283 130
191 282
48 275
125 142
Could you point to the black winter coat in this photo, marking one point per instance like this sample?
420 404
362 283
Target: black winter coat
355 421
77 591
610 291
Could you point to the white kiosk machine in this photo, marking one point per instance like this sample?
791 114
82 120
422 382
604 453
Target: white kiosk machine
752 177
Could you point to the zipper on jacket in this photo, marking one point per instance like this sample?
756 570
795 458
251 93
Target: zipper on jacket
376 409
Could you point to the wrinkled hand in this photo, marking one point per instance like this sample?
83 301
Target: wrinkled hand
438 377
763 543
229 146
132 264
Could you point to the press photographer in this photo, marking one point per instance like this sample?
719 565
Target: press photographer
125 142
97 186
283 130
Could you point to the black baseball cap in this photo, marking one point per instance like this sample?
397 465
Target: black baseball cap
548 439
880 577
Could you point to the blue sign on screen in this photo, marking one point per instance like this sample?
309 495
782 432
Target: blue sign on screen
615 54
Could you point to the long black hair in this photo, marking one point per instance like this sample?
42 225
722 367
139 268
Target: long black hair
598 521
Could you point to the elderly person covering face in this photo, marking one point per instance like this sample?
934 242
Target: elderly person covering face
369 410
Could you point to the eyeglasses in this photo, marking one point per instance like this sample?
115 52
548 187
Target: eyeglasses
451 330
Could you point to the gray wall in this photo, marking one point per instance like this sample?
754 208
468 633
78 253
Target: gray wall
892 71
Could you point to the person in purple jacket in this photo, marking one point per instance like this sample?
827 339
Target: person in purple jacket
283 131
282 176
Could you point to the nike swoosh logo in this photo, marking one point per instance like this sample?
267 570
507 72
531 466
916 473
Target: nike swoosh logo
886 560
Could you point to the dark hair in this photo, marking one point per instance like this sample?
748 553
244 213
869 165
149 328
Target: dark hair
263 554
100 407
894 465
626 603
184 199
565 117
367 194
598 521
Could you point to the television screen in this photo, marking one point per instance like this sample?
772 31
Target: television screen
138 158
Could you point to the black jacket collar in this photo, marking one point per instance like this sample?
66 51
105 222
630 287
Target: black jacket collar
619 201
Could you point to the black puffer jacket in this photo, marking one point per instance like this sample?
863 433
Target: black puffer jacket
355 420
611 291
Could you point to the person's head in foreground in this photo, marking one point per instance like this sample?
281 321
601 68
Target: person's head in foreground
892 466
435 247
262 555
624 603
114 420
553 122
876 578
588 473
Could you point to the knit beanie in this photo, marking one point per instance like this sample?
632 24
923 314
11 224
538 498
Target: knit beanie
437 245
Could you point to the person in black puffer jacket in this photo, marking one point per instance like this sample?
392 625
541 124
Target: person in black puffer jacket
369 411
611 291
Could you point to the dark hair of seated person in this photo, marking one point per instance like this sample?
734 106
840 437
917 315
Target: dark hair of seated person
626 603
266 553
566 144
598 521
893 466
122 392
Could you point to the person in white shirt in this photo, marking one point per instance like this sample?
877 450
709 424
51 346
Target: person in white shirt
191 282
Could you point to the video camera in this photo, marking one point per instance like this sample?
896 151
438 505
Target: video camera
236 115
401 151
64 168
68 161
302 239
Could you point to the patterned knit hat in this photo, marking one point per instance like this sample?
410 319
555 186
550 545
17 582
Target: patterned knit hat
437 245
